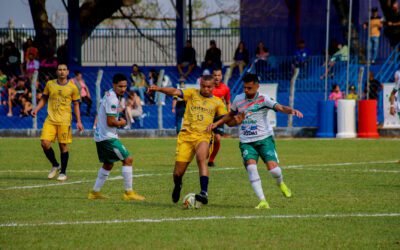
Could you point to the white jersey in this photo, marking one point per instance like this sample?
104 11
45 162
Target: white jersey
397 88
108 107
255 126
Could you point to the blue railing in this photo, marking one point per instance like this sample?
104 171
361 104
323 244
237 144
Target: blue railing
391 64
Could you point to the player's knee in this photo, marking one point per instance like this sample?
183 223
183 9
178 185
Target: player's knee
128 161
45 144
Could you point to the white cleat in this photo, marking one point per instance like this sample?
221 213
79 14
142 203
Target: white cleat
62 177
53 172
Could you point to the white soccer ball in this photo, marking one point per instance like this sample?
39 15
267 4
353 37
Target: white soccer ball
189 201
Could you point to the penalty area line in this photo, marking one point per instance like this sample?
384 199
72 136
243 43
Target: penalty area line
206 218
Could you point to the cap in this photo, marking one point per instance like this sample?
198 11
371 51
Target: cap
374 9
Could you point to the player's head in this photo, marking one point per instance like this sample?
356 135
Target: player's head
120 83
78 74
217 74
250 85
207 85
62 71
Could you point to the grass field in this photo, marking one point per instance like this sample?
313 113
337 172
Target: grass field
346 194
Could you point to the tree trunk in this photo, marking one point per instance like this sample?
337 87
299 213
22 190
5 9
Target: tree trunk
45 33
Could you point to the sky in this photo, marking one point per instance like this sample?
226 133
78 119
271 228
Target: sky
19 12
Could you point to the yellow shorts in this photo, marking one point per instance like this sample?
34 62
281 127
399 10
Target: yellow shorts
51 132
187 143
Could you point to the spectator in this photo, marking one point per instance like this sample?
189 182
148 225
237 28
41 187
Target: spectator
31 65
48 67
212 59
301 55
374 88
3 85
262 53
15 94
241 59
26 106
29 48
392 30
12 58
352 95
139 84
188 59
340 56
83 91
335 94
178 108
375 33
133 109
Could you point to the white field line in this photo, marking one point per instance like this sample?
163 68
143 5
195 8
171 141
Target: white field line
216 169
179 219
351 170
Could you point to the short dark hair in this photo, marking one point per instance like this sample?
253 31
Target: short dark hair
119 77
217 69
250 78
207 78
77 72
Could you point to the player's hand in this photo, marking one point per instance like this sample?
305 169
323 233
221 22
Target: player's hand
79 126
239 118
152 88
392 111
122 121
297 113
173 110
211 127
34 113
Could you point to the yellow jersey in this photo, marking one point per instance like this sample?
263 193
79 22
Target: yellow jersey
376 24
200 111
59 110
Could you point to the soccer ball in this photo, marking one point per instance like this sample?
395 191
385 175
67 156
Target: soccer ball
189 201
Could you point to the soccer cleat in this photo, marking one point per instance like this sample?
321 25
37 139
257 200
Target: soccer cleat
93 195
132 196
285 190
176 193
62 177
53 172
202 197
211 164
262 205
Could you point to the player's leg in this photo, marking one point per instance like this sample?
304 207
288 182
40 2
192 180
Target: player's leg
202 150
102 176
270 157
129 194
179 171
250 157
64 137
48 135
185 151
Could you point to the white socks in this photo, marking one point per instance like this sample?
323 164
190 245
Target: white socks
277 174
101 178
255 181
127 174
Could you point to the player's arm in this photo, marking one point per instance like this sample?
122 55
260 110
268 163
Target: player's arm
40 105
231 119
391 100
113 122
287 110
77 112
174 101
166 90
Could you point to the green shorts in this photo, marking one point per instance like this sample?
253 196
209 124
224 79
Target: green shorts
264 148
112 150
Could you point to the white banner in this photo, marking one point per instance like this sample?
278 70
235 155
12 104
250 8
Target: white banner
390 121
270 89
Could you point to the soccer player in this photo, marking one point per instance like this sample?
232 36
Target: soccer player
392 97
256 135
58 94
222 91
109 147
194 139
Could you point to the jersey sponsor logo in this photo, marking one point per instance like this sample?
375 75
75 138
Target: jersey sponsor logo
113 107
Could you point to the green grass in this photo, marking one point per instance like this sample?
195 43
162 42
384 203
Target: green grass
314 169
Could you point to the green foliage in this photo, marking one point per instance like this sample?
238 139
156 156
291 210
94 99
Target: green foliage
317 171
